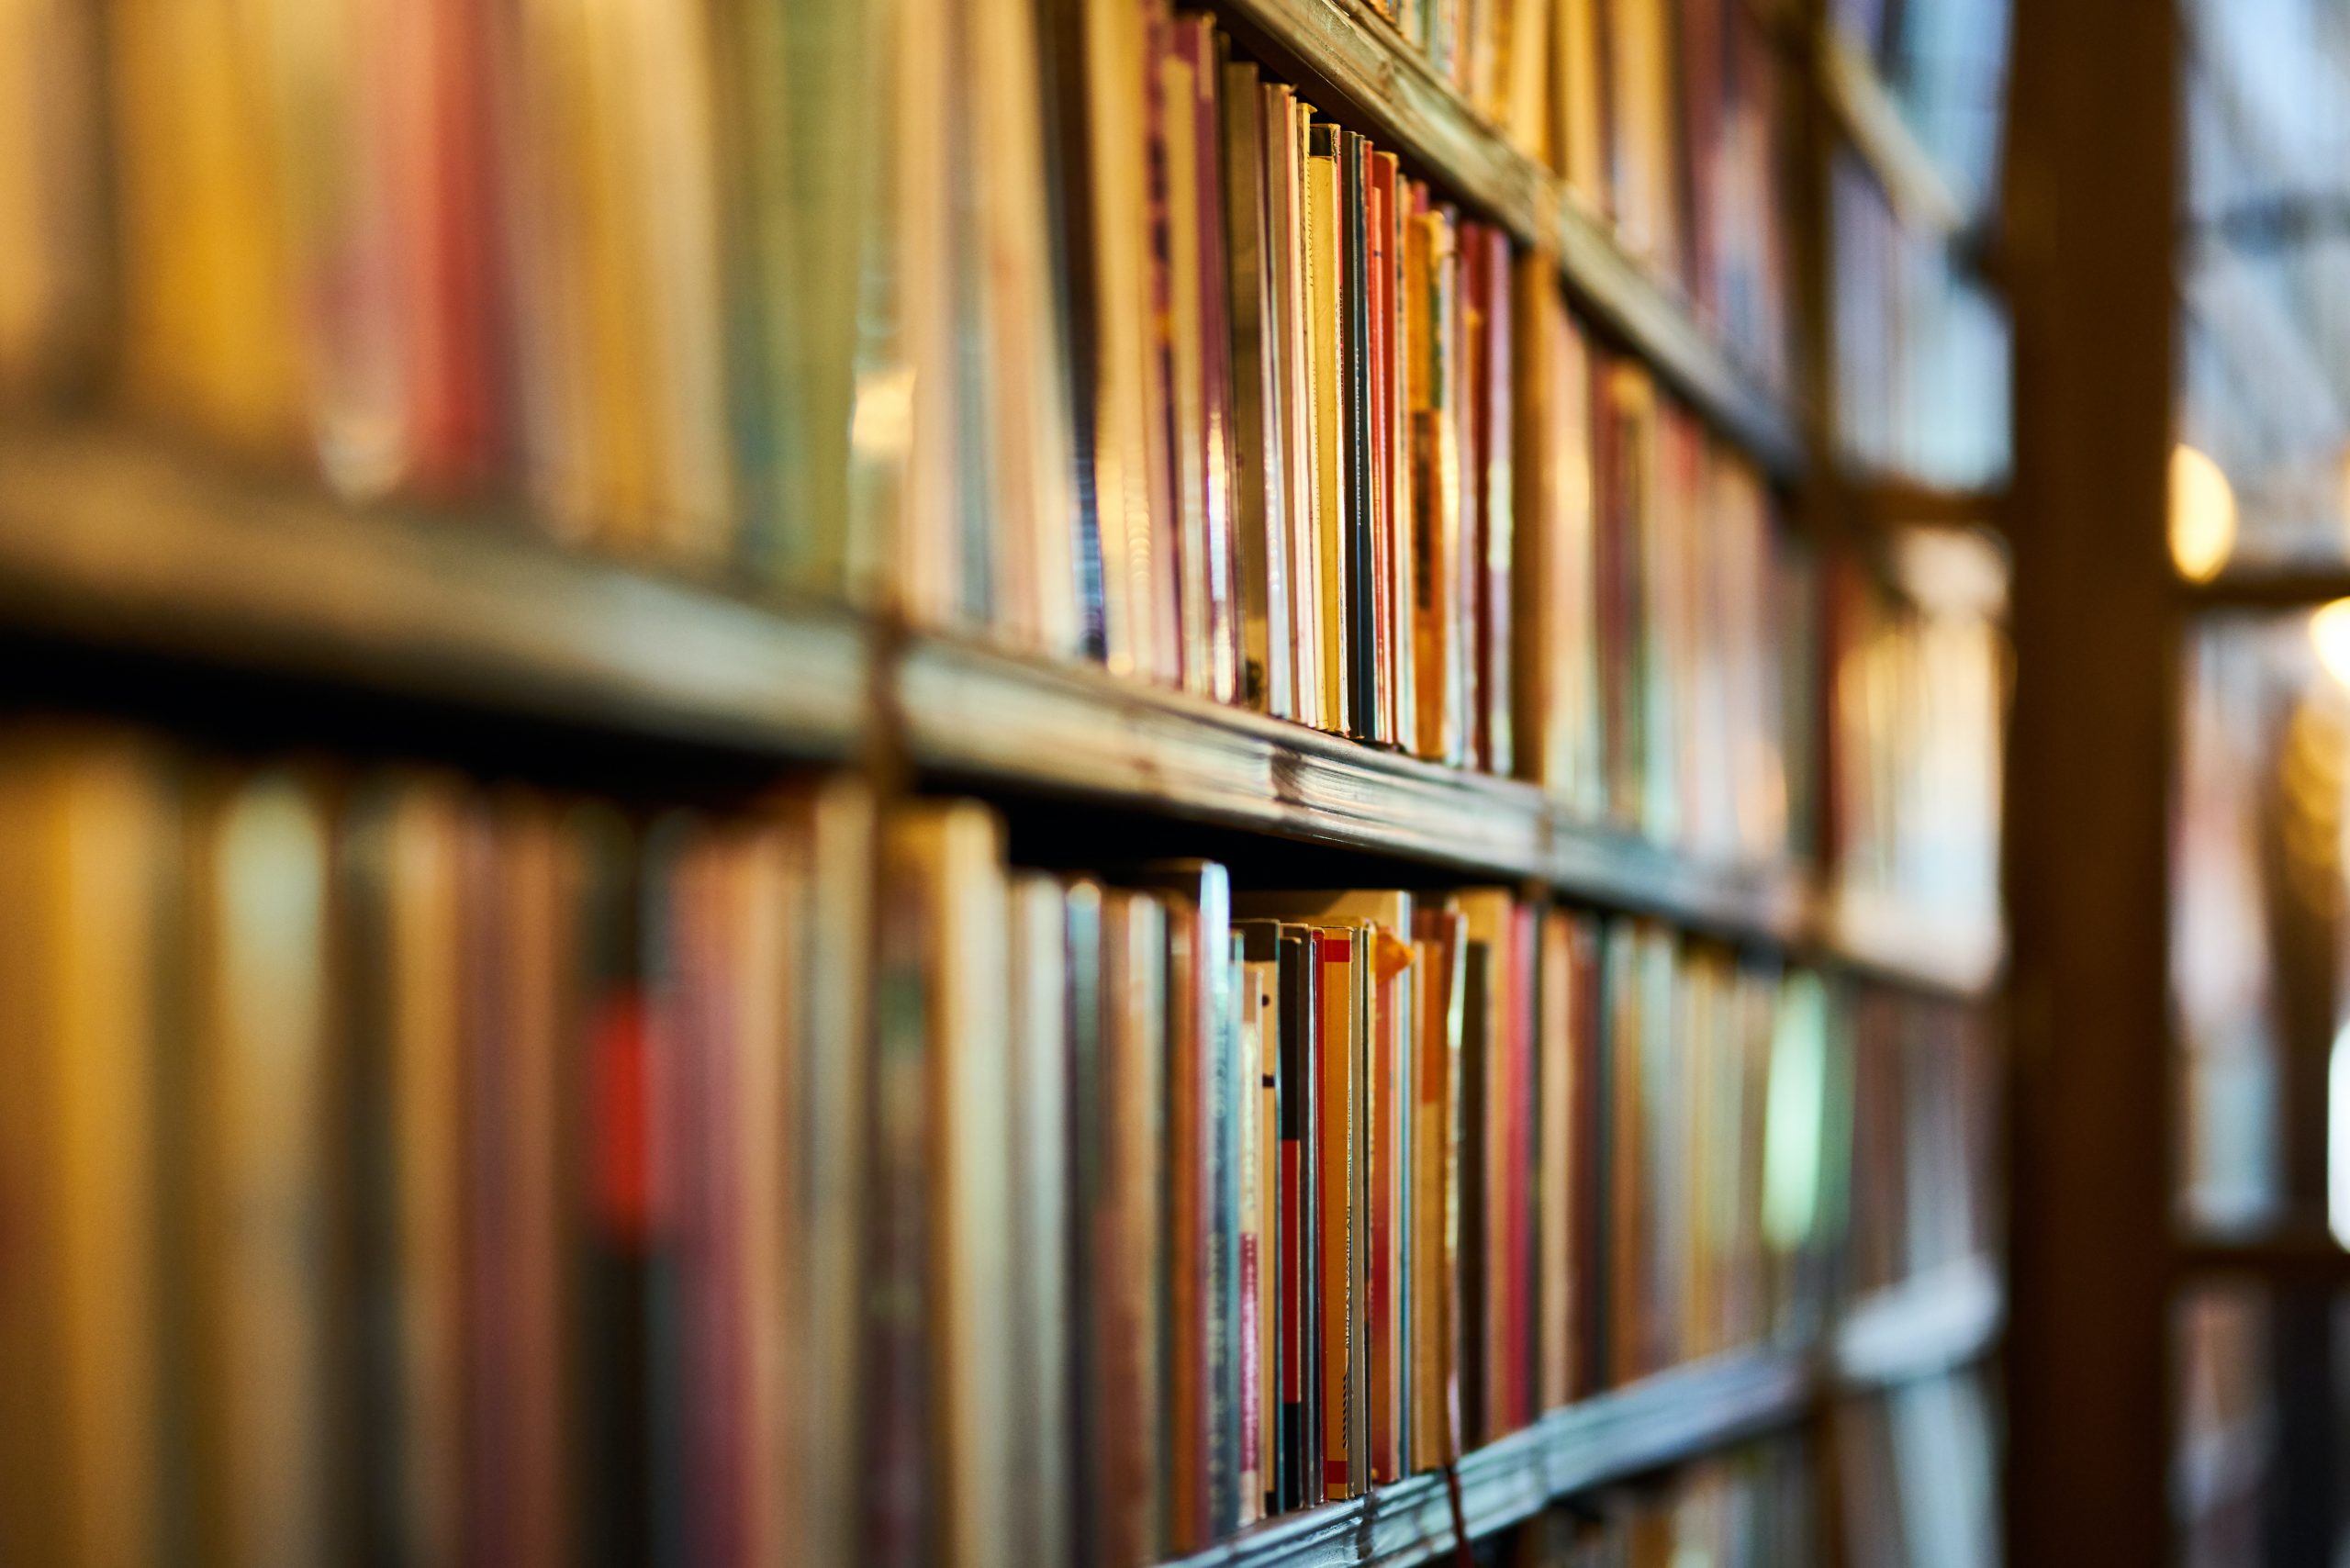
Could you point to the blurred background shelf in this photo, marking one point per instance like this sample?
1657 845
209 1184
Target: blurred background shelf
111 539
980 715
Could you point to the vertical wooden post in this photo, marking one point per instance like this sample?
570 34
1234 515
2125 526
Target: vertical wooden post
2092 190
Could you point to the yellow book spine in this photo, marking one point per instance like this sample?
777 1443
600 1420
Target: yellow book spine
1322 253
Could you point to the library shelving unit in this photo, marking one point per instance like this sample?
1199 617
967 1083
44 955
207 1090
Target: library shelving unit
114 541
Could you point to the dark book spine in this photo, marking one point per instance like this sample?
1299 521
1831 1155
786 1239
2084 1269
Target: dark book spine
1309 1025
615 1368
1069 185
667 1094
1476 1090
1087 1132
369 1136
898 1428
1296 998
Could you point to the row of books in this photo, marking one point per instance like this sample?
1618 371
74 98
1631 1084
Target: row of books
1924 1095
402 1170
1165 368
509 1175
1680 703
1920 694
1666 117
1360 1178
1755 1508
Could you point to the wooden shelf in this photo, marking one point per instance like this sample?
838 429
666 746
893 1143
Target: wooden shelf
111 539
1881 501
2305 1257
1945 1319
1682 1414
1351 60
973 713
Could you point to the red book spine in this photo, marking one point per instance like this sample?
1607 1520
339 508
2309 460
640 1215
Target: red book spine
452 377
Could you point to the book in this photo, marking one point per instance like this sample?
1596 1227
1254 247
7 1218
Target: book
1556 720
1258 255
1088 1245
255 1180
1299 973
1324 306
1257 983
88 845
1441 1004
1202 1301
1037 1096
1433 393
1132 1294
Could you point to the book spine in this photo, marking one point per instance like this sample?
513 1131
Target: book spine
1298 1257
1093 1214
1335 1179
898 1467
1357 455
1325 294
1471 1276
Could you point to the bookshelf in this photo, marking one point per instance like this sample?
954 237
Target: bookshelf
110 539
1916 1329
115 541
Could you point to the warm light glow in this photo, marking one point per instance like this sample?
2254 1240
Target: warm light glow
2202 515
2330 633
